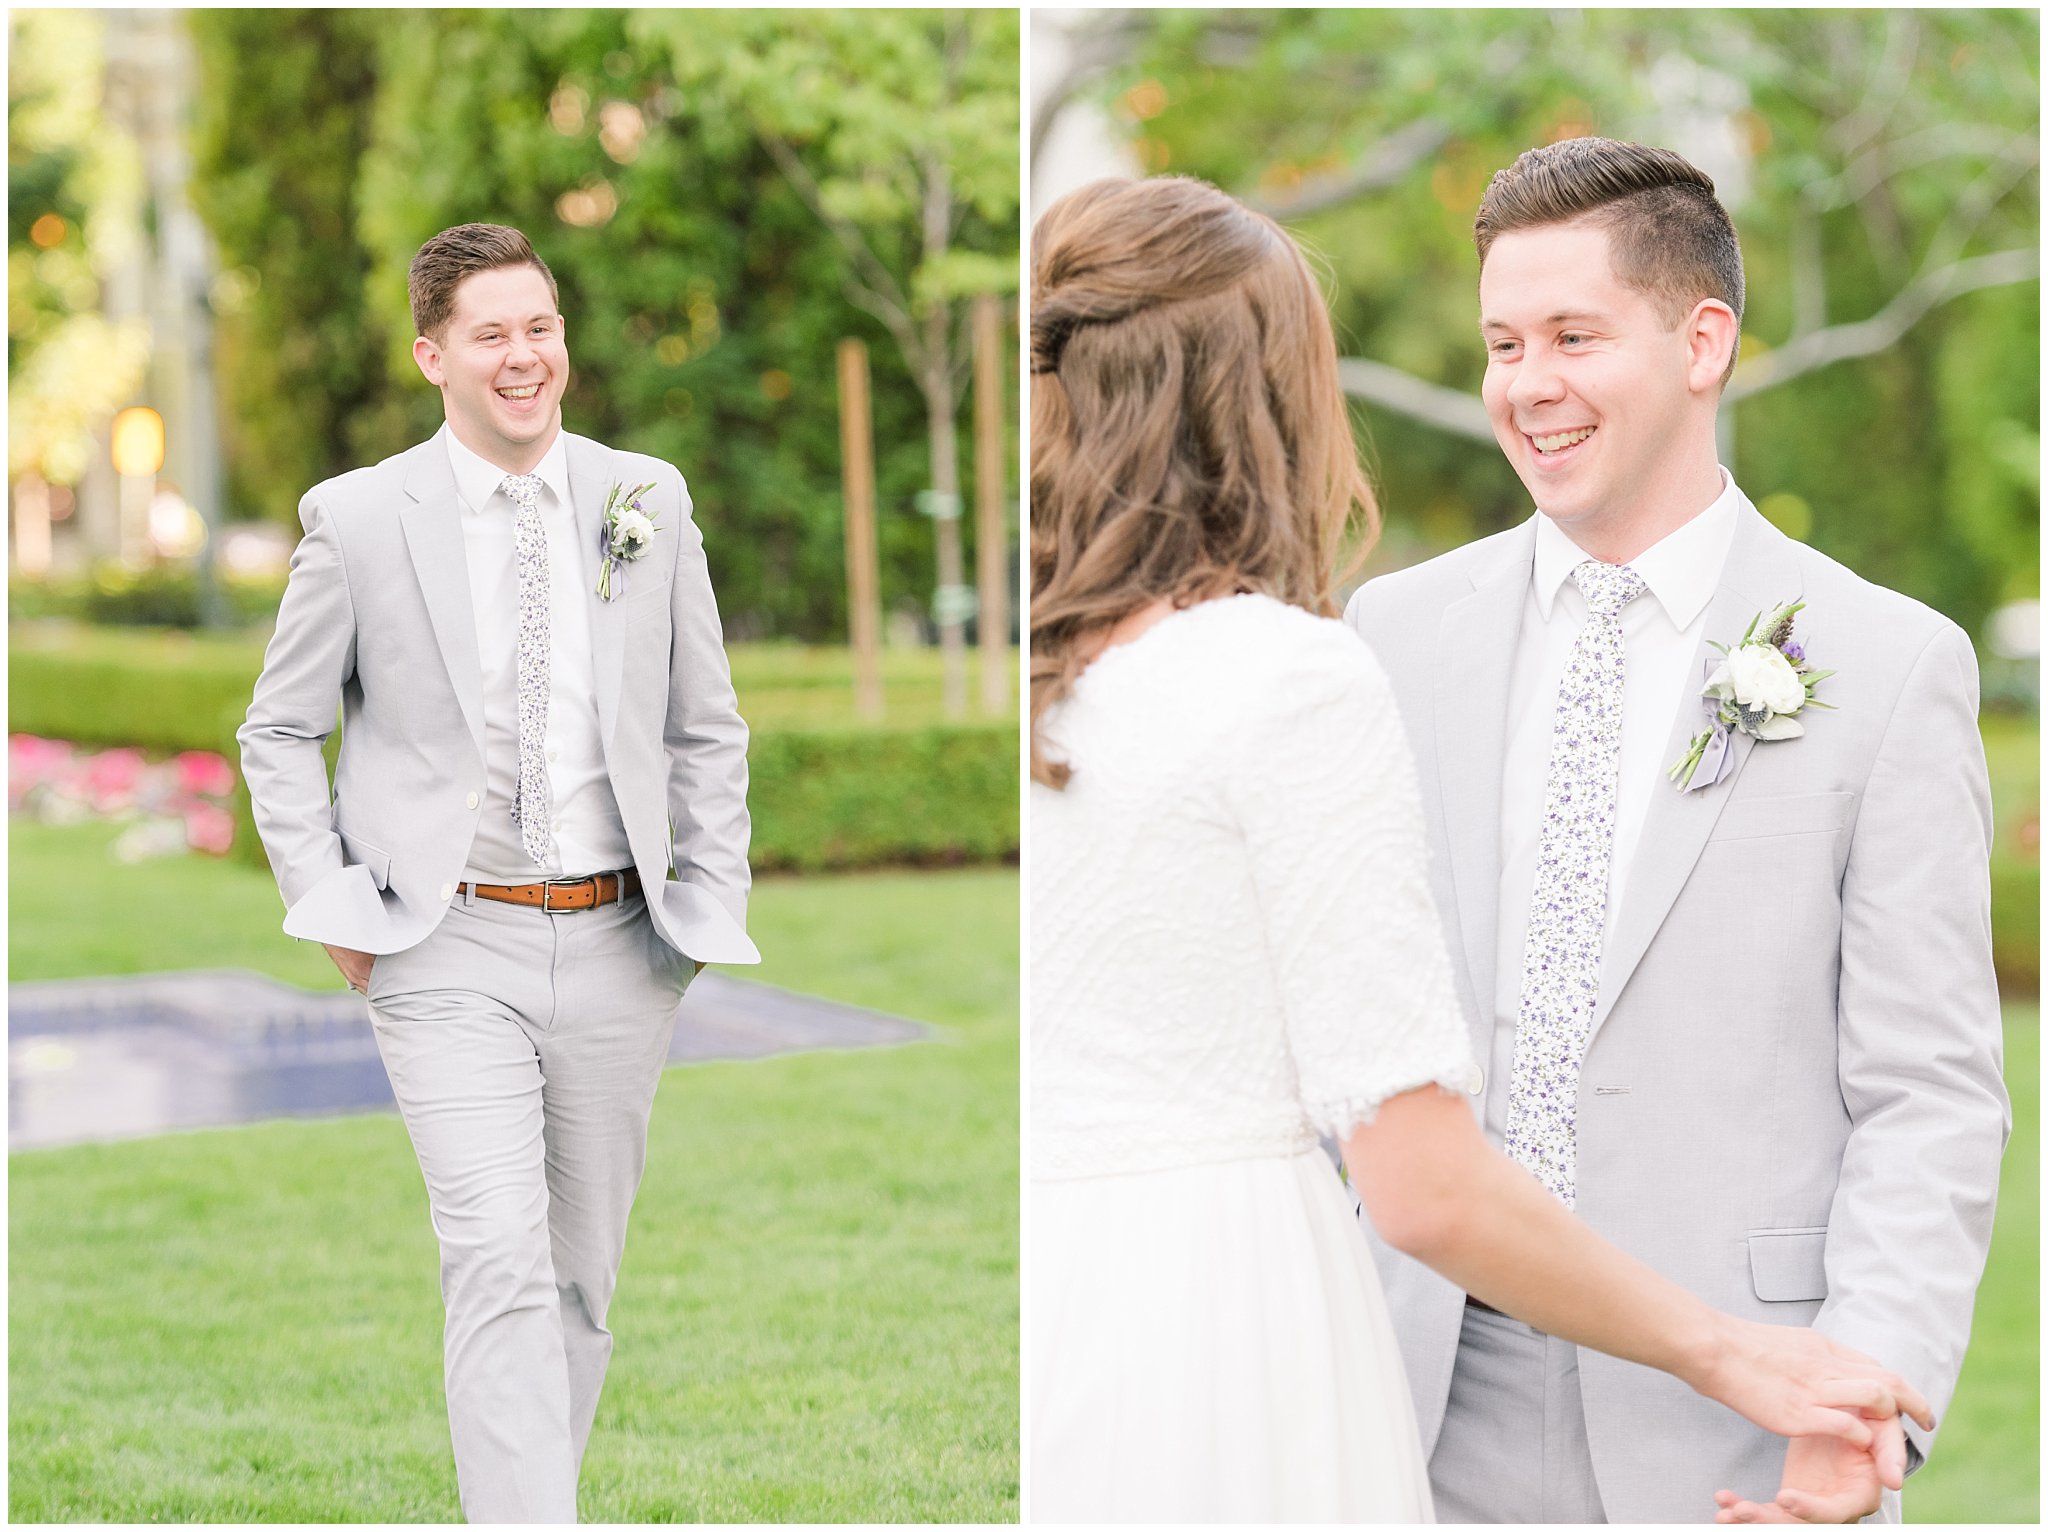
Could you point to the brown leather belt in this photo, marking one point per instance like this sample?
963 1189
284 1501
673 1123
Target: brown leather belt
561 896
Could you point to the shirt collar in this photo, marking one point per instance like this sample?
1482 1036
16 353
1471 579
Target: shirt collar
477 478
1681 570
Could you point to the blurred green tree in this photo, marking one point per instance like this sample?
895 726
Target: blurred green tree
1882 166
279 132
899 131
703 296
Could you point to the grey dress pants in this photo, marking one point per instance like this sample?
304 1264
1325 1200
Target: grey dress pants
524 1049
1513 1444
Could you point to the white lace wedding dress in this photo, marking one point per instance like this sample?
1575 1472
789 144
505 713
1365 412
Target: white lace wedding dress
1233 950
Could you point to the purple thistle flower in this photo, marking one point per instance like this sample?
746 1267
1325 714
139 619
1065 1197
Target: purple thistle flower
1796 653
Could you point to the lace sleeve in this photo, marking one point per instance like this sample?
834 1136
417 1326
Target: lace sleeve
1326 797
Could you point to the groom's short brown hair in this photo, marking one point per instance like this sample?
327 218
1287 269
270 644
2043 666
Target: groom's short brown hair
460 252
1667 234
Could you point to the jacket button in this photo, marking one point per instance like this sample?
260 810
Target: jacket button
472 800
1478 1081
447 892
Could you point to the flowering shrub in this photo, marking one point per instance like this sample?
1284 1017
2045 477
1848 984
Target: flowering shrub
182 803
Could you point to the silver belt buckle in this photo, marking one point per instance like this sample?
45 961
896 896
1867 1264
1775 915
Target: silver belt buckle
549 885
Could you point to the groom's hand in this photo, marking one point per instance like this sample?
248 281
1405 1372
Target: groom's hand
355 966
1827 1480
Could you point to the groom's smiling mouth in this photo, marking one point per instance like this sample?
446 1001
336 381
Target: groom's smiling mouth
1556 446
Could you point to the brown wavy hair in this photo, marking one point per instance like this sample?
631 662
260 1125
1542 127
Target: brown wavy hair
1189 437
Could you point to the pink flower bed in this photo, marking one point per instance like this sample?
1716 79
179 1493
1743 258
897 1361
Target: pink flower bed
57 783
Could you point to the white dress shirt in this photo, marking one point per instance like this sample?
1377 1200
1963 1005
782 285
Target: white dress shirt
1662 632
588 833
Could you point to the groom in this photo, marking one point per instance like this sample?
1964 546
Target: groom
1747 1028
537 833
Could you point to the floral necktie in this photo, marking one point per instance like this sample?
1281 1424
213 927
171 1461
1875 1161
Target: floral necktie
1568 909
530 543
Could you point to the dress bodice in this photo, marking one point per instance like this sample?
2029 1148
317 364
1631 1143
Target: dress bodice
1233 945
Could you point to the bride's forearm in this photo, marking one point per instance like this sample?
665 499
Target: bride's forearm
1438 1191
1551 1271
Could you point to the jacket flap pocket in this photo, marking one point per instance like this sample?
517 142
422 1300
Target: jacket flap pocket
1800 814
1789 1265
367 856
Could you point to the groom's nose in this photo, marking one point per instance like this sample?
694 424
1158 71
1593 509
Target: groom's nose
1536 381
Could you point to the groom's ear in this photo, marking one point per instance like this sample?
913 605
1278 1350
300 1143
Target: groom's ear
428 356
1710 334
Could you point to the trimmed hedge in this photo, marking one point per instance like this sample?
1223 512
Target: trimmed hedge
164 596
849 798
160 692
823 800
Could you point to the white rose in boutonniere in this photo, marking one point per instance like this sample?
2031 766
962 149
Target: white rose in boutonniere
1755 689
1754 677
624 533
633 530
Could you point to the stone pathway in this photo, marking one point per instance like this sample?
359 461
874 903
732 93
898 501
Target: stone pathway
94 1060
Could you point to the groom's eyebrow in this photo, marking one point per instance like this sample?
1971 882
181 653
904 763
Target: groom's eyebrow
1562 316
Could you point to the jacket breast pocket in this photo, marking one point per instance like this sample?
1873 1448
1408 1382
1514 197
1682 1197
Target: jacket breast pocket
649 599
1802 814
362 853
1789 1265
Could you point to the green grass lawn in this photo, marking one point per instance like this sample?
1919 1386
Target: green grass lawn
817 1319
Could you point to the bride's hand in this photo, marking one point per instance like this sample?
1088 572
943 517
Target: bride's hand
1796 1382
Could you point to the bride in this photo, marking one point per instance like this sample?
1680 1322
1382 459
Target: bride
1233 947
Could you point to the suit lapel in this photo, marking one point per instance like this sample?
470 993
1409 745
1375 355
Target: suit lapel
432 522
590 475
1476 654
1762 569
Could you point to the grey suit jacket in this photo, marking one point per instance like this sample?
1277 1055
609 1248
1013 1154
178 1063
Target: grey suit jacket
377 620
1791 1102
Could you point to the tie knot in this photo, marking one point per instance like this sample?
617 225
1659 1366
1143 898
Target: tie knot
1607 587
524 488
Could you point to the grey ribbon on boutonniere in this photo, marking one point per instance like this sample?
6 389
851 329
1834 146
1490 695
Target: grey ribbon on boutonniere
1714 754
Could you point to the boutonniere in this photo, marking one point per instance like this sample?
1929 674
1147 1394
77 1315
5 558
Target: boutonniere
1758 687
623 533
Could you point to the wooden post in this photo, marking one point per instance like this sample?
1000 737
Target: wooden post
992 532
863 578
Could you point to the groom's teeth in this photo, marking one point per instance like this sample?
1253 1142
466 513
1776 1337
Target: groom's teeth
1562 439
520 393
